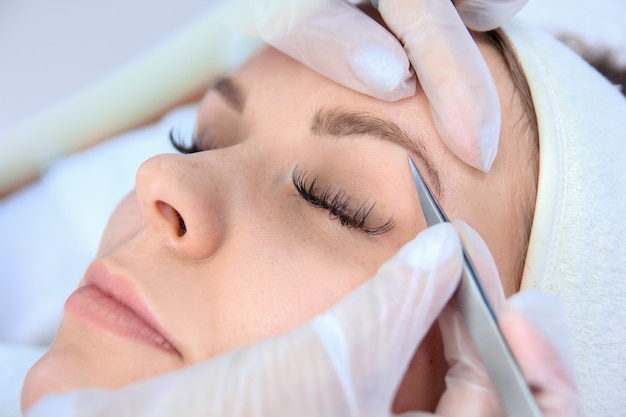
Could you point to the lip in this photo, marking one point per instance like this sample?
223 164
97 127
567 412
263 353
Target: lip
110 302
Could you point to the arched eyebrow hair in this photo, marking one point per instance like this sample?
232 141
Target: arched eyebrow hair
231 92
344 122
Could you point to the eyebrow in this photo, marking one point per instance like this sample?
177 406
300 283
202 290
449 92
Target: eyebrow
343 122
231 92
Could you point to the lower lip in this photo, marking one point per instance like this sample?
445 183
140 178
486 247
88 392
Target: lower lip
97 308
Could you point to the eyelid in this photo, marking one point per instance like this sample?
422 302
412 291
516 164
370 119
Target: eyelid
339 204
207 140
220 121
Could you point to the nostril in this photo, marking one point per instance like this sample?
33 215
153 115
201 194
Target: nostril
172 216
182 228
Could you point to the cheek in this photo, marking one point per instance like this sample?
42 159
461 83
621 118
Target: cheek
124 223
279 288
292 289
424 381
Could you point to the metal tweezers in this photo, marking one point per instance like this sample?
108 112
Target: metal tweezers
513 391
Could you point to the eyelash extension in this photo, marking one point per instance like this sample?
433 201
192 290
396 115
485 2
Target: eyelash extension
182 145
338 204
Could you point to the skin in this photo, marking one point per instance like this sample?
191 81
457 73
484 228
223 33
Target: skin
255 258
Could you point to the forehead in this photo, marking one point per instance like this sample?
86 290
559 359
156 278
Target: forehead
284 73
280 87
280 76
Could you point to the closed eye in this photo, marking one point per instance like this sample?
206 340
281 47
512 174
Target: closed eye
340 205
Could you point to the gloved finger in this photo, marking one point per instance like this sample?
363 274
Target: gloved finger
535 326
333 38
396 308
453 74
483 15
469 390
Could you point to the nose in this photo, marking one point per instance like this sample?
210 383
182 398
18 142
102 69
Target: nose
182 204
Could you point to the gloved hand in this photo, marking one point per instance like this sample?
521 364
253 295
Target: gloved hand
455 78
342 43
332 37
535 327
347 361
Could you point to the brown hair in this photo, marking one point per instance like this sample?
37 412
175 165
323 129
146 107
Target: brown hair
527 130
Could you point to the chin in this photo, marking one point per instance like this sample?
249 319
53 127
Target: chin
50 374
104 361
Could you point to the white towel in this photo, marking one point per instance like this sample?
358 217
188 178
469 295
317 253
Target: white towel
577 249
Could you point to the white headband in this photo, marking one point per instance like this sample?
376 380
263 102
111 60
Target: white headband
577 247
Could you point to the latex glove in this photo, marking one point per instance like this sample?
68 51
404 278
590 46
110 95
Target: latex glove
535 327
333 38
455 77
345 362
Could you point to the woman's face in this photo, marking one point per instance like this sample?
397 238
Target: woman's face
303 192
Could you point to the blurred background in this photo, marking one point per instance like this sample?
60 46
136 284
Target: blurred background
50 49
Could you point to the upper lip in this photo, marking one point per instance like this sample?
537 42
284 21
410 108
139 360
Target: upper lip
121 289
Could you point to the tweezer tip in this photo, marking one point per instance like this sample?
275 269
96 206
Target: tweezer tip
430 206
